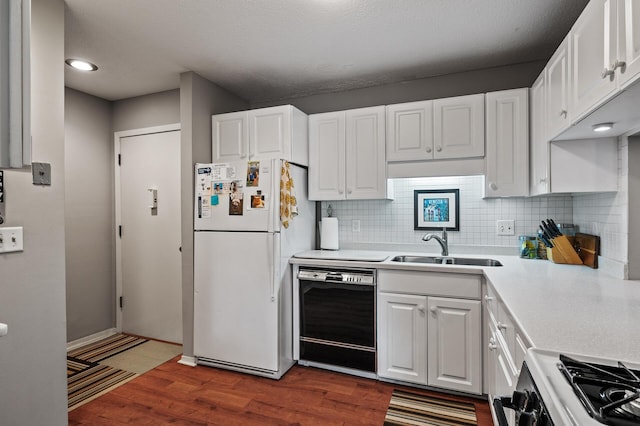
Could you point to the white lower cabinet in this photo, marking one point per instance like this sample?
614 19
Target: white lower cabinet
454 360
402 341
433 338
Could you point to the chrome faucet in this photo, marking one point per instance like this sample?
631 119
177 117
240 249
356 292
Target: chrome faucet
441 240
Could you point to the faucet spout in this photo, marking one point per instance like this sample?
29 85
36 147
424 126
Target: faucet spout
444 244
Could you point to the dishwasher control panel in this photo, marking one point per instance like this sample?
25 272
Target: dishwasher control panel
363 277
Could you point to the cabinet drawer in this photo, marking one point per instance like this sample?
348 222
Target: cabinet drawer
464 286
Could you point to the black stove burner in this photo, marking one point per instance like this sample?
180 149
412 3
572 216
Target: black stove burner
610 394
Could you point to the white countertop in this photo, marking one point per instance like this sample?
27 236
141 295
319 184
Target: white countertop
565 308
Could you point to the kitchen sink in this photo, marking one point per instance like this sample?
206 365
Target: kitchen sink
468 261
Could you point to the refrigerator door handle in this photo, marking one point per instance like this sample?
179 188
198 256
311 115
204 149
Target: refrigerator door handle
272 266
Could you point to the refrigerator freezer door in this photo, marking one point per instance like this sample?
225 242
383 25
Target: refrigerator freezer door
235 207
236 298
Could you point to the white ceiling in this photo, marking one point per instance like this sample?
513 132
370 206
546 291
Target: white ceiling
265 50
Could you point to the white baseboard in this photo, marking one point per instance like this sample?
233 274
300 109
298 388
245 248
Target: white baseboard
91 339
187 360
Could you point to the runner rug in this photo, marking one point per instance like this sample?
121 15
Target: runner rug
87 378
410 409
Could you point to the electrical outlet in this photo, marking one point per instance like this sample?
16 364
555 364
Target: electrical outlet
11 239
355 225
505 227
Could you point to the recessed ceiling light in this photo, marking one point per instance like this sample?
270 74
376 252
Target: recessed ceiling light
81 65
602 127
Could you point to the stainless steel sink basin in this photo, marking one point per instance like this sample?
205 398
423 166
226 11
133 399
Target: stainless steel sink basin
468 261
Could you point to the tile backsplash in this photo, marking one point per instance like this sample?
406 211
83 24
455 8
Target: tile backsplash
391 222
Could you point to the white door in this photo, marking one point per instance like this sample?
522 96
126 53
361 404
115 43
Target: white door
149 255
270 133
229 136
366 166
236 299
458 126
629 39
455 359
539 145
557 92
410 131
327 156
402 337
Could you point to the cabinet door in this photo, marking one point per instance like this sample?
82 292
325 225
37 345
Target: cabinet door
593 51
507 154
366 166
229 137
628 40
327 156
454 344
501 379
402 337
557 72
539 145
410 131
459 127
270 133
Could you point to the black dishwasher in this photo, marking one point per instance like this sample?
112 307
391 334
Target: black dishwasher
337 317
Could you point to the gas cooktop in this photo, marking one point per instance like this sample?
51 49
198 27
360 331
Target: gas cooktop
610 394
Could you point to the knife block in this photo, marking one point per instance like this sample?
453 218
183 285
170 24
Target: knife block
563 252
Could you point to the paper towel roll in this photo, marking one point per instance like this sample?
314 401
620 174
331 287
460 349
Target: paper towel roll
329 233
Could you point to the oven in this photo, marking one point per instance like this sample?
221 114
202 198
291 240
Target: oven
573 390
336 318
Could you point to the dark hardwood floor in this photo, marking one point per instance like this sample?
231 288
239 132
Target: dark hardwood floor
182 395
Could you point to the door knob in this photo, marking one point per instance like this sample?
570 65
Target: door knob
433 309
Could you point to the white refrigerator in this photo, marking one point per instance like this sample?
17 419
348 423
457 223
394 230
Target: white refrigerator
242 278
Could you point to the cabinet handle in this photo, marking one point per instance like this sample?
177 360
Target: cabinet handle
434 309
492 344
438 148
563 113
349 190
502 326
421 309
493 186
543 180
607 72
618 64
428 149
488 298
340 191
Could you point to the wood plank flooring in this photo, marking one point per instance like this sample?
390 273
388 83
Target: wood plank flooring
177 394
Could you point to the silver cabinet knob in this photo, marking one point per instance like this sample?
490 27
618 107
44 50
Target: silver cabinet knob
607 72
502 326
618 64
438 148
433 309
492 344
421 309
340 191
493 186
428 149
488 298
563 113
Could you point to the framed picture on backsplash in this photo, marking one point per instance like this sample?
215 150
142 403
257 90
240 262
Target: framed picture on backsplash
436 209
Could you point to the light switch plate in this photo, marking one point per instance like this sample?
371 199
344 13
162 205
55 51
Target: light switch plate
41 173
11 239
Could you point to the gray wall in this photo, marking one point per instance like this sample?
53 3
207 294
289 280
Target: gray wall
199 99
152 110
33 381
465 83
89 215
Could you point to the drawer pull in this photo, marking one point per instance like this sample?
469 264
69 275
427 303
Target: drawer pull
502 326
492 344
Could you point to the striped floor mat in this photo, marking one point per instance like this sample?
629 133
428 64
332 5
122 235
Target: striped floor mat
105 348
410 409
87 378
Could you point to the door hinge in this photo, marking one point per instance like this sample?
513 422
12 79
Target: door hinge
119 159
120 231
121 302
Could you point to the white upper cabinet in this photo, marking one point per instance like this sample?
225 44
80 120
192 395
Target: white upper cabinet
629 39
557 95
458 127
593 47
507 153
327 156
260 134
539 143
410 131
347 155
230 136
